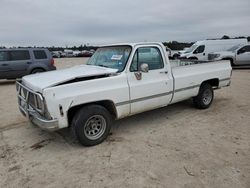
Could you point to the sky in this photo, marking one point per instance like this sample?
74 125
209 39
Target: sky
97 22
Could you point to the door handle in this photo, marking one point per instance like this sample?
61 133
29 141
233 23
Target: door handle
5 64
164 72
29 62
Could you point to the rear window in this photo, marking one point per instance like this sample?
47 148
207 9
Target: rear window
19 55
40 54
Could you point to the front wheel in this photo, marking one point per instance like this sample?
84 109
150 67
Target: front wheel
205 96
91 125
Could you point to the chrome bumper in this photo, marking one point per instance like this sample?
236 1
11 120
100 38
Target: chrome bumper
49 125
33 112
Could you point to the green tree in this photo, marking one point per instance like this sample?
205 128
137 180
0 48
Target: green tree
225 37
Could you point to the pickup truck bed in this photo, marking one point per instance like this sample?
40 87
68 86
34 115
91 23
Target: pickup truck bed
191 73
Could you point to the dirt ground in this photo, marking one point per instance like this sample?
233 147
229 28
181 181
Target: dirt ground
176 146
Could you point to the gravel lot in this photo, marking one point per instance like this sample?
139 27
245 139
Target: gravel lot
176 146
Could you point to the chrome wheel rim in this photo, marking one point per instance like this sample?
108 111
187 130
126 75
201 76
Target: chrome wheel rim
94 127
207 97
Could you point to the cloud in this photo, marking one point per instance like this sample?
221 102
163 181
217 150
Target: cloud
76 22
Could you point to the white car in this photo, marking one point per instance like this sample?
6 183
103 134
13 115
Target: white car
118 81
237 55
201 49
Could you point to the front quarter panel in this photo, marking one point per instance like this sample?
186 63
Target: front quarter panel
113 88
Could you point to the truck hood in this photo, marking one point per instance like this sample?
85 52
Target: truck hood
39 81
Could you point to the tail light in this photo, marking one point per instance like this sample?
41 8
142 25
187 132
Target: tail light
52 62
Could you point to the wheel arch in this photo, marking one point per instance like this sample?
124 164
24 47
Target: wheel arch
213 82
193 58
108 104
36 67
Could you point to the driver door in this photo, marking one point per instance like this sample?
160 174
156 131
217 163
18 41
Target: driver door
152 89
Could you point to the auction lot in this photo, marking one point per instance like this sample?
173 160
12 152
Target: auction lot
176 146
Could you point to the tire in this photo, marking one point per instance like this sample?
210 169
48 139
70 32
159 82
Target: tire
205 96
91 125
175 56
192 58
34 71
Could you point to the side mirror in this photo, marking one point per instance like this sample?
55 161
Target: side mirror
144 67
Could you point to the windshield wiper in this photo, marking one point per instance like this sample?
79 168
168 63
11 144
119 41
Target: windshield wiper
103 66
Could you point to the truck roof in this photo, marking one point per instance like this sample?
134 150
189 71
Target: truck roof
133 44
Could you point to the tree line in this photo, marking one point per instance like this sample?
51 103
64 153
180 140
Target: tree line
174 45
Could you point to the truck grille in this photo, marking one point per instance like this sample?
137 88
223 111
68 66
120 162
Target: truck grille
29 100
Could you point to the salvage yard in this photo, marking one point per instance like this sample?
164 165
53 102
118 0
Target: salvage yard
176 146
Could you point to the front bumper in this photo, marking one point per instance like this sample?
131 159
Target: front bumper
33 113
49 125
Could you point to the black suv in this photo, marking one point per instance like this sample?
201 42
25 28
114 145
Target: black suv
18 62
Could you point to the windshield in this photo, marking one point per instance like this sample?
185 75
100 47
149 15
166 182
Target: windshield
114 57
191 48
234 48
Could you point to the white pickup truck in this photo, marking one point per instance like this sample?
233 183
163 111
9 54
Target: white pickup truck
118 81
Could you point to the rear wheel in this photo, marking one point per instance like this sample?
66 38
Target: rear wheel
91 125
205 97
193 58
34 71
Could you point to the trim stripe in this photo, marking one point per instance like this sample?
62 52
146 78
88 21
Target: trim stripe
143 98
186 88
154 96
162 94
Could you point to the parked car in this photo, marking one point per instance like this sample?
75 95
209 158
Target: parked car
68 53
201 49
56 54
118 81
15 63
76 53
86 53
237 55
175 54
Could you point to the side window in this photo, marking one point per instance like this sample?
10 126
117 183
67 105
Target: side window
4 56
19 55
200 49
148 55
40 54
247 48
243 50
